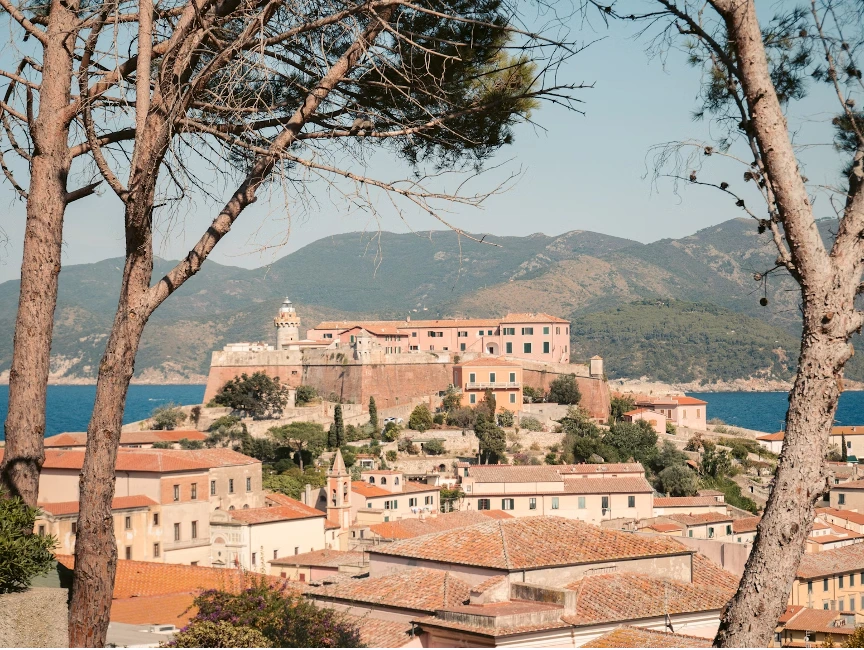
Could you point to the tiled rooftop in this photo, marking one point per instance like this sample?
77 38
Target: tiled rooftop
626 636
772 437
152 460
532 318
684 502
746 524
408 528
817 620
285 512
378 633
514 474
489 361
117 503
79 439
708 574
422 590
627 596
848 515
601 468
661 527
849 485
685 400
531 542
697 520
322 558
836 560
368 490
620 485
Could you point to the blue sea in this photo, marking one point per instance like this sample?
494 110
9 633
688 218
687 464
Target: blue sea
767 411
69 407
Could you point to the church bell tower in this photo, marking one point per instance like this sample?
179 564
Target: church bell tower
339 493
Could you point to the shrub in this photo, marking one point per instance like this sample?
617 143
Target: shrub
304 394
185 443
163 444
23 554
167 417
452 399
530 423
421 418
285 619
439 418
391 432
695 443
391 455
259 395
671 428
462 417
218 634
564 390
619 406
406 446
532 394
434 448
678 481
506 418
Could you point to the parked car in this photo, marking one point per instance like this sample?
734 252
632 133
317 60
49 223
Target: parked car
394 420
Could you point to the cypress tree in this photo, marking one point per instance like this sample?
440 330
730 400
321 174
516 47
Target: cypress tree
339 425
373 416
844 456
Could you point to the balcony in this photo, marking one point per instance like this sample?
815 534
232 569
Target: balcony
186 543
483 385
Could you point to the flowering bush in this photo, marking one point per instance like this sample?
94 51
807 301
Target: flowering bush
283 618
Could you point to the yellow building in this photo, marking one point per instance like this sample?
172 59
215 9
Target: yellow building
502 377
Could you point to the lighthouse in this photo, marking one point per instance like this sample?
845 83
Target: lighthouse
287 324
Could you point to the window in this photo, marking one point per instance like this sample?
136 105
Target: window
507 504
462 347
412 502
545 330
275 553
508 347
852 604
396 481
472 377
74 527
841 499
472 398
212 488
194 491
127 523
176 492
527 331
824 606
698 413
842 606
430 500
230 486
383 480
684 413
728 529
809 586
372 480
194 530
509 331
581 503
554 503
604 503
489 332
155 518
851 579
328 336
631 501
512 398
512 377
461 334
848 444
690 533
840 582
526 348
254 559
156 550
42 531
248 483
128 552
483 504
825 584
491 377
387 505
176 532
532 503
710 532
546 347
480 333
414 335
296 550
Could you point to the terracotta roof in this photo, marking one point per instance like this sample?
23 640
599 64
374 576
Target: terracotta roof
408 528
684 502
414 324
848 515
845 559
329 524
368 490
710 493
626 636
853 430
531 542
514 474
533 318
322 558
279 499
664 528
849 485
791 610
487 584
422 590
127 437
696 520
643 410
773 437
378 633
493 632
707 573
746 524
623 485
117 503
489 361
152 460
266 515
817 620
624 596
685 400
600 468
409 487
377 330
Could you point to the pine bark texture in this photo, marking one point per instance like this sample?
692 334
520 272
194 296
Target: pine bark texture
95 546
828 291
40 268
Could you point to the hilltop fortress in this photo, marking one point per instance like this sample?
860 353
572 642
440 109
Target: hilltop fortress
397 361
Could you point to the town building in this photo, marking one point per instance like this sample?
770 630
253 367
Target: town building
773 442
385 495
697 505
592 493
627 636
656 419
833 580
852 436
130 439
848 519
709 525
318 566
680 410
744 529
504 378
847 496
804 627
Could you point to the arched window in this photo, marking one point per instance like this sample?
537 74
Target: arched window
396 481
383 480
345 488
245 506
231 508
371 479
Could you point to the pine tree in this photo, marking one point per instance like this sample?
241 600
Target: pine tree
844 456
373 416
338 426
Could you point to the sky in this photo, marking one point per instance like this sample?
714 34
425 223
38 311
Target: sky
578 172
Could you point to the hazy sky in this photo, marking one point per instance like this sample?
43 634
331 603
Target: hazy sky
583 172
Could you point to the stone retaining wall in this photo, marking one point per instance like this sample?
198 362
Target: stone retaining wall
36 618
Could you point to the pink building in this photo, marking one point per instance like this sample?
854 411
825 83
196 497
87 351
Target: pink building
503 377
656 419
537 337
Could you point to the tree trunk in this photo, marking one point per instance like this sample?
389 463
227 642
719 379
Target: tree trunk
40 267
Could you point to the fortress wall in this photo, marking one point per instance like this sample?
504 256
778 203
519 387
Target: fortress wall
224 366
596 398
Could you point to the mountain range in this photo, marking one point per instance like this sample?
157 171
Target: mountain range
686 308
